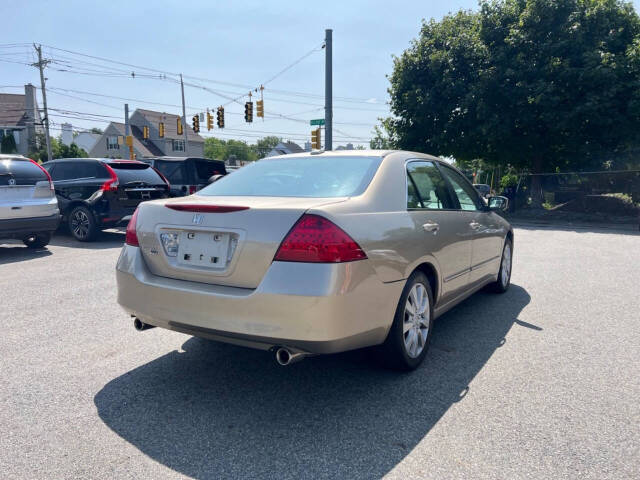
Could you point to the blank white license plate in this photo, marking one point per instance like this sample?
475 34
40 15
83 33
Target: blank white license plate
203 249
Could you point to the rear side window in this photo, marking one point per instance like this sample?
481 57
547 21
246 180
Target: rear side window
63 170
174 171
19 171
130 173
425 187
309 176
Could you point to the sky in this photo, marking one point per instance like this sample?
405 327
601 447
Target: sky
226 47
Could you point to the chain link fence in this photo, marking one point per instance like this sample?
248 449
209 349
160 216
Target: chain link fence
606 194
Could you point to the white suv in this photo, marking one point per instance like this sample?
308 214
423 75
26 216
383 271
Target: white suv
28 204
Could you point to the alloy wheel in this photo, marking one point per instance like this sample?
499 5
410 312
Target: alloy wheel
505 269
80 224
415 327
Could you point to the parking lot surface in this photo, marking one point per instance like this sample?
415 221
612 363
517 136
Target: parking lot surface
541 382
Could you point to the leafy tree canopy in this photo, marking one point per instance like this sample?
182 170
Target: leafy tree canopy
58 149
538 84
223 149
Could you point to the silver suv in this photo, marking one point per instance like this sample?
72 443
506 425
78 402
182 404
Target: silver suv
28 204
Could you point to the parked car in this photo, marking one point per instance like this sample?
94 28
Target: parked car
28 204
483 189
317 253
99 193
187 174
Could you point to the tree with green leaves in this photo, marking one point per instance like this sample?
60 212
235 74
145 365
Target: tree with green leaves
538 84
58 149
265 145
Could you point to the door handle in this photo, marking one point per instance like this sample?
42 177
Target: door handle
475 225
431 227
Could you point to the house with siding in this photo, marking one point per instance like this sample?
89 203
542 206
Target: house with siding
20 117
171 144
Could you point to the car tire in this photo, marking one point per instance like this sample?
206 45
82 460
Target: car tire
82 224
37 240
503 282
408 339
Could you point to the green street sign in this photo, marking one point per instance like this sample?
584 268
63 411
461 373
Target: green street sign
317 121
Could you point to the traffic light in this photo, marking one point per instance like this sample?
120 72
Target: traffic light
179 126
220 115
145 132
315 139
161 129
248 112
196 123
209 121
260 108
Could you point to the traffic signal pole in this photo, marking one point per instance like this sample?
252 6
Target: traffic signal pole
184 119
328 90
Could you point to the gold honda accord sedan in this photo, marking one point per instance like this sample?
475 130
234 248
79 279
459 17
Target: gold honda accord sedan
317 253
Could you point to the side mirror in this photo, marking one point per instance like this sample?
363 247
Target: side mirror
498 203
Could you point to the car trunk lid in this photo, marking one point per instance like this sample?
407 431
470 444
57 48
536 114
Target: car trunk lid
218 240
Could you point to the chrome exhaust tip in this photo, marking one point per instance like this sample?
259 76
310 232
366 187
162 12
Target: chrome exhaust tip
139 325
284 356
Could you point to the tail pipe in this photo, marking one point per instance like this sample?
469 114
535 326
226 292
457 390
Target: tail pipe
284 356
139 325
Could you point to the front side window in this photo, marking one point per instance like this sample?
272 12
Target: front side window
178 145
313 177
112 143
464 191
425 187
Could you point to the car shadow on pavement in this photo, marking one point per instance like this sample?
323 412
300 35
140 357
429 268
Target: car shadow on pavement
106 239
14 252
220 411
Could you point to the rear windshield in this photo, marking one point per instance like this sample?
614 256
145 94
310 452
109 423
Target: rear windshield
129 173
20 171
313 177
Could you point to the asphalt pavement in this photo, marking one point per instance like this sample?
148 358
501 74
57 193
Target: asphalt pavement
541 382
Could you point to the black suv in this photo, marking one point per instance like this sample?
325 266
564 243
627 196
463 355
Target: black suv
98 193
187 174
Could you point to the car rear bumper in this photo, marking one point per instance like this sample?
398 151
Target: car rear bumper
315 308
19 227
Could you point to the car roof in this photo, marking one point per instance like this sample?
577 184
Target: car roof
181 159
395 154
104 160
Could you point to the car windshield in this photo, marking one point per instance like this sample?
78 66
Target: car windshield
313 177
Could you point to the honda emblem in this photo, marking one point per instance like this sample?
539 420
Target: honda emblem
197 219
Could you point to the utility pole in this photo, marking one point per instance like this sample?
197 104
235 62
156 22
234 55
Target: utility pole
184 119
328 90
41 64
127 130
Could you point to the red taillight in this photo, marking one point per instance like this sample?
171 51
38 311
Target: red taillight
315 239
110 185
190 207
45 172
131 237
192 189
